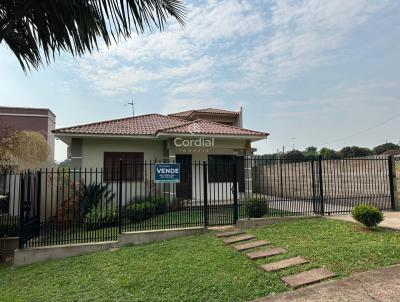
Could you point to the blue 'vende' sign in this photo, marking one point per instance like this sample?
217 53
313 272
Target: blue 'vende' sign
167 173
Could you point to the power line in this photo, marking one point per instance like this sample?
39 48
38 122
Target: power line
362 131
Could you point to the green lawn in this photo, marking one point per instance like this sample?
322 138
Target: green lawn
200 268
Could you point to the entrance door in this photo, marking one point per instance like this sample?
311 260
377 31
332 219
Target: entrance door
184 188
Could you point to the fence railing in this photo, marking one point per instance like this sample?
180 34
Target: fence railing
63 206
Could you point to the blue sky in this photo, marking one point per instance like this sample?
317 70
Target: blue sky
310 72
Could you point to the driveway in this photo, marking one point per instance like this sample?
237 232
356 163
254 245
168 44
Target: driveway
379 285
391 220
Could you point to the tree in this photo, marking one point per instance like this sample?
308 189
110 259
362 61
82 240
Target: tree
32 28
23 149
355 151
327 153
310 153
293 155
385 147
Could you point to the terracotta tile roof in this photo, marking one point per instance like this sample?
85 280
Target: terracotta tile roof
147 124
206 110
200 126
153 124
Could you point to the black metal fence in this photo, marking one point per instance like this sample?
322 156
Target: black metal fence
63 206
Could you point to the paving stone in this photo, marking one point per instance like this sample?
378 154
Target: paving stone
267 253
278 265
308 277
230 233
238 238
250 245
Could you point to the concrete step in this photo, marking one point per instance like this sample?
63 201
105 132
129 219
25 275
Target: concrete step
267 253
235 239
278 265
229 234
308 277
250 245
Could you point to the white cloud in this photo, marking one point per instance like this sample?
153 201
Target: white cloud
174 53
193 88
259 46
304 35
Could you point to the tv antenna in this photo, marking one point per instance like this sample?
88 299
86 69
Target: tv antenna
133 107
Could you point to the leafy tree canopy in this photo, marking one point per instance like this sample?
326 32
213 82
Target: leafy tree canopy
385 147
36 28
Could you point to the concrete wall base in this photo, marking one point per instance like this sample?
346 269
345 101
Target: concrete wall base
134 238
7 247
38 254
256 222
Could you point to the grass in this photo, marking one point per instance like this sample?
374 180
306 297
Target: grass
200 268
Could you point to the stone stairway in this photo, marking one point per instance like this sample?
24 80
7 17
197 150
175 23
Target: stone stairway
241 241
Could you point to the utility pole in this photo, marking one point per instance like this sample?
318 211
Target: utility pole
133 107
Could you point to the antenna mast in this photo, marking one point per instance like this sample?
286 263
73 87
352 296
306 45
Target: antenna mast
133 107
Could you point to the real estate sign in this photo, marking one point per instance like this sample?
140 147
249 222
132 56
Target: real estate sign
167 173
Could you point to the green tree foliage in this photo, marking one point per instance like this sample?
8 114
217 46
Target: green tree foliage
310 152
33 29
295 155
327 153
355 151
385 147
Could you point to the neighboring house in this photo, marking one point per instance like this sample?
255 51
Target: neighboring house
35 119
211 135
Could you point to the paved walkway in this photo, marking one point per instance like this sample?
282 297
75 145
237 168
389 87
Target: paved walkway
391 220
379 285
233 237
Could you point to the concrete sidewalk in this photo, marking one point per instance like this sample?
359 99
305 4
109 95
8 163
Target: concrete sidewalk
379 285
391 220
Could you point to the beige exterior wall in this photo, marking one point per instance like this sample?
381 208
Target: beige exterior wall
93 149
93 158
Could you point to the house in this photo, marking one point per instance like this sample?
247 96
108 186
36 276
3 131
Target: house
34 119
189 138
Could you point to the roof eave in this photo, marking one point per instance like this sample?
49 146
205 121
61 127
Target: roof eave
92 135
226 136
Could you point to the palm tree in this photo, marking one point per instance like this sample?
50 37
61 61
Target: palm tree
36 28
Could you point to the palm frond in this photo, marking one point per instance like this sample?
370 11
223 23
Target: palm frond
36 28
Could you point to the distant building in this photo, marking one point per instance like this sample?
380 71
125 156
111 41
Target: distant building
35 119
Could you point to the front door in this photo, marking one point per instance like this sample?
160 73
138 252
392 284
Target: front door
184 187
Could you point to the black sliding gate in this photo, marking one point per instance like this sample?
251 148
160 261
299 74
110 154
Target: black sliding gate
64 206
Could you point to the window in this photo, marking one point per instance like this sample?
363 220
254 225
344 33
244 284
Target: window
220 168
132 166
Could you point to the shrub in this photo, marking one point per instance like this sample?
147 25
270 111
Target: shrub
367 215
9 226
100 217
137 212
92 195
257 208
145 209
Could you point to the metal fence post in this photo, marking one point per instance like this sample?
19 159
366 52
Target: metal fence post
234 191
321 186
205 193
120 198
38 201
314 200
392 182
21 210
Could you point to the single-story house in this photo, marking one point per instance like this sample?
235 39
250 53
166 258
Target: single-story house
188 138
